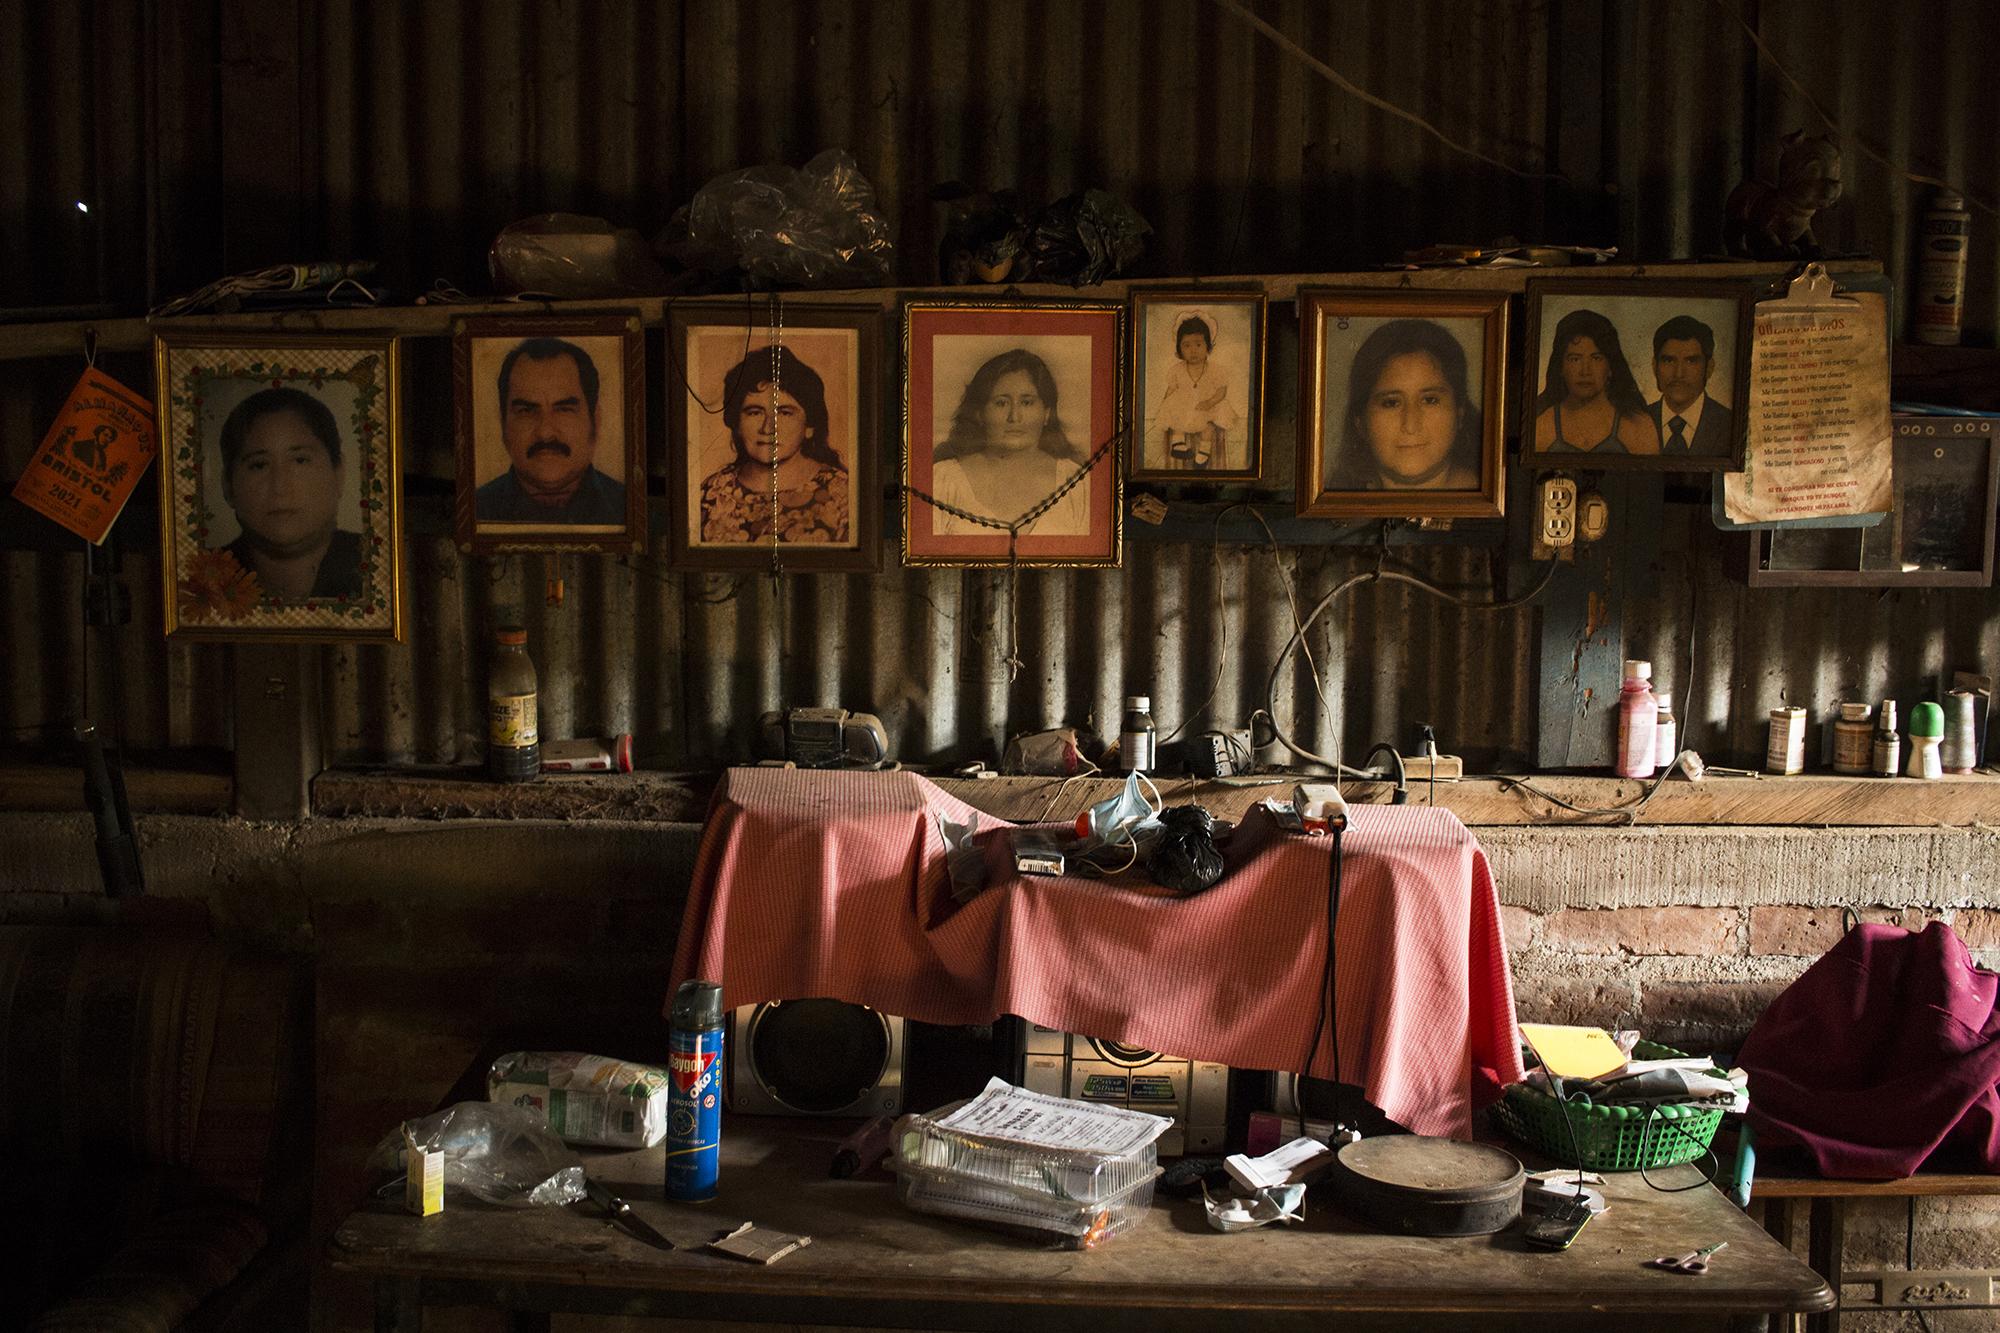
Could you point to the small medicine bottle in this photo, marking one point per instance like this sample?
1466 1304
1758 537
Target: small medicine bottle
1785 749
1638 721
513 743
1853 737
1136 735
1926 735
1887 760
1666 732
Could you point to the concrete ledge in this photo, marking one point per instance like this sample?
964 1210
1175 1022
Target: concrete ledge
1810 800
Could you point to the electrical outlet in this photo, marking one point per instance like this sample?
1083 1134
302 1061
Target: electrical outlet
1556 526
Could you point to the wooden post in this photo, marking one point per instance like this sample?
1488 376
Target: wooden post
277 734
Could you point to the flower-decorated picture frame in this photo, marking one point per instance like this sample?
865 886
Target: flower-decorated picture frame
281 490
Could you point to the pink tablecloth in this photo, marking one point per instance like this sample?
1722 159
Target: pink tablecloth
834 884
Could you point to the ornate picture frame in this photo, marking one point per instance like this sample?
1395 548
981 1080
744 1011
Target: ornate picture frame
1197 404
550 427
281 491
1013 405
820 507
1402 403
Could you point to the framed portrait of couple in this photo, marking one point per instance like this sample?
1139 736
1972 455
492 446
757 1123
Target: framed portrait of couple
1649 374
281 493
774 420
1012 422
1402 403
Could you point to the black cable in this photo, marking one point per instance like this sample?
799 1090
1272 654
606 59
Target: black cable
1707 1150
1328 1010
1402 792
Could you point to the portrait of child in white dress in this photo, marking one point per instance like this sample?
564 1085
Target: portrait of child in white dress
1198 376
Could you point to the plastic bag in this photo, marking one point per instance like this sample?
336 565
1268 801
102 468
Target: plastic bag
569 255
1087 237
501 1154
814 227
1184 856
964 861
591 1099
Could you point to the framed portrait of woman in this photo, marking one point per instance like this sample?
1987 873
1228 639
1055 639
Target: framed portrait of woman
551 432
1197 408
1647 373
774 427
1402 403
1012 414
281 498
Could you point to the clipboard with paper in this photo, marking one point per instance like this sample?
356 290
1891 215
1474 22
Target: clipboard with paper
1819 446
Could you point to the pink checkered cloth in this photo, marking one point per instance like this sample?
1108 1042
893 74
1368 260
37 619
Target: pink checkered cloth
834 884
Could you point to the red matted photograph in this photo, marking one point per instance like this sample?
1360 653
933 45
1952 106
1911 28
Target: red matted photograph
1012 425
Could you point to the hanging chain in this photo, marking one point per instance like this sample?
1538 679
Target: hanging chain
777 326
1013 529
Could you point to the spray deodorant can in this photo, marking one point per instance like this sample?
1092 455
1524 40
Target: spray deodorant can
694 1099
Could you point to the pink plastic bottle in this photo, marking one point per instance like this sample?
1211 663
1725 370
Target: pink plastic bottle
1638 722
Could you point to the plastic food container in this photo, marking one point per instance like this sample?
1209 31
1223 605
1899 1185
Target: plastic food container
1076 1197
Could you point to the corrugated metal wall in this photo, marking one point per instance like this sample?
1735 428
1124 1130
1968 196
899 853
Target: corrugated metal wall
415 131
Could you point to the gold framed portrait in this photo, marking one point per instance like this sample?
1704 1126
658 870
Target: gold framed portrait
281 498
1012 417
1402 403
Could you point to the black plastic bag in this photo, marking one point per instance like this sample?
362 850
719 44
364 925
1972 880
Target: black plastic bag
1184 856
1087 237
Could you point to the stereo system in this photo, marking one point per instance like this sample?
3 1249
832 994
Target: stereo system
1194 1092
814 1057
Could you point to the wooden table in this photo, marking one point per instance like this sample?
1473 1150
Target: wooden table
874 1262
1785 1195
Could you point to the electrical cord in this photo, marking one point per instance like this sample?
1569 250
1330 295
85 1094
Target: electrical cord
1268 712
1628 812
1402 793
1328 1014
1221 612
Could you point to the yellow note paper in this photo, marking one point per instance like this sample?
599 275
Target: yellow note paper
1573 1052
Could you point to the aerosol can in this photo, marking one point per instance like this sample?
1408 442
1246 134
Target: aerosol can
694 1097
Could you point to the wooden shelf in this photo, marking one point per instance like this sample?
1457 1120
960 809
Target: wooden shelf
47 787
1806 801
65 337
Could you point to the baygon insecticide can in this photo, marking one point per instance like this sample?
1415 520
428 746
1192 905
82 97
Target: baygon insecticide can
694 1098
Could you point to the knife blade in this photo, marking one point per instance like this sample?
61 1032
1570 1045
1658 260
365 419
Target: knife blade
621 1212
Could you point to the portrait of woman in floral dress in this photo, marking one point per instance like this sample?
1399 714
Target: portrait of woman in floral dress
786 472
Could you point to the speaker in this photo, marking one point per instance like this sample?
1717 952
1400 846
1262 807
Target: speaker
814 1057
1194 1093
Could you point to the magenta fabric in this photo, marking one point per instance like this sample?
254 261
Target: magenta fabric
834 884
1885 1052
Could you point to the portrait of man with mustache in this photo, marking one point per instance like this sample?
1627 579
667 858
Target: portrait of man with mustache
548 422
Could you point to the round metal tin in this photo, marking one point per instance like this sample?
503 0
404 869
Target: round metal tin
1425 1186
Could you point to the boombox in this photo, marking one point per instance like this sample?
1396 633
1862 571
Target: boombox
1194 1092
814 1057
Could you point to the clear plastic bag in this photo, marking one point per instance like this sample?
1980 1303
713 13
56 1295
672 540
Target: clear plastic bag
569 255
813 227
501 1154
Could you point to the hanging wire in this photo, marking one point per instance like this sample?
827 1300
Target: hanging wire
1839 130
1013 530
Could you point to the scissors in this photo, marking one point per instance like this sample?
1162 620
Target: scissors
1690 1265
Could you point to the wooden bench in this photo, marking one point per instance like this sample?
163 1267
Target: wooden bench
1784 1196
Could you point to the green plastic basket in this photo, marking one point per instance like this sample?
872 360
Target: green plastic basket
1610 1138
